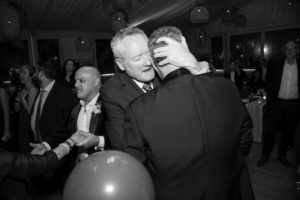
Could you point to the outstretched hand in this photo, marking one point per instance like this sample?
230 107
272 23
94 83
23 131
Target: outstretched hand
87 140
38 148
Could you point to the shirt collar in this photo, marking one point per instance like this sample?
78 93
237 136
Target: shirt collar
48 87
140 84
176 73
91 103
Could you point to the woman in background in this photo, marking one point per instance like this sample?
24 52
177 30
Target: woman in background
69 69
24 102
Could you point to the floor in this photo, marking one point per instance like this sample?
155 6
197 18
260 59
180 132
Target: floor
273 181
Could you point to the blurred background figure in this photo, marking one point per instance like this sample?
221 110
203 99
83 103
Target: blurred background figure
258 80
282 87
69 69
236 74
4 117
23 103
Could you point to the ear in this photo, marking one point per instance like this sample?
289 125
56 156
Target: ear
98 81
183 41
120 64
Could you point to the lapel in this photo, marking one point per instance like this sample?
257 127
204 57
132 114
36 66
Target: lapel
50 98
74 117
95 117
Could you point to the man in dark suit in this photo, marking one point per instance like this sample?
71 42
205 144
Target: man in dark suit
190 132
131 52
51 109
283 103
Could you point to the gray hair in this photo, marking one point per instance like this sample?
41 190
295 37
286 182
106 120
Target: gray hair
123 33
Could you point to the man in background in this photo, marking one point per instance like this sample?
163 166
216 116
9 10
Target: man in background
283 104
50 110
190 132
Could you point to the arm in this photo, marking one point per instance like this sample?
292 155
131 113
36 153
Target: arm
133 142
4 101
20 166
178 54
114 121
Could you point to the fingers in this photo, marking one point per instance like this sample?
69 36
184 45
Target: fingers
33 145
166 40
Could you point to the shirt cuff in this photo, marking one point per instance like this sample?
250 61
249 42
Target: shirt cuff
47 146
101 143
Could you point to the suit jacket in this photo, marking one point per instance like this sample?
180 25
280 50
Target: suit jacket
117 93
21 166
191 133
273 79
55 113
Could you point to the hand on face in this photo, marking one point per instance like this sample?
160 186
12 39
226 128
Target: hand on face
176 53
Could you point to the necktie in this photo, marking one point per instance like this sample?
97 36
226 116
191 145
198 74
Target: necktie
147 87
38 136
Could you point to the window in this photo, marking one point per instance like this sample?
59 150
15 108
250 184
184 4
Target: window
246 48
217 52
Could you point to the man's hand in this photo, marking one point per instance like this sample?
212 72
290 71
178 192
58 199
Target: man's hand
88 140
176 53
76 137
38 148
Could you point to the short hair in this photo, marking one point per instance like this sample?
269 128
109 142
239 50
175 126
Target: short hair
163 31
295 45
125 32
48 68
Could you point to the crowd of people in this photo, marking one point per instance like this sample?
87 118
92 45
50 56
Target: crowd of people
165 108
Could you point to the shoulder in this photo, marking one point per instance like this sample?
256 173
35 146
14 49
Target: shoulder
113 83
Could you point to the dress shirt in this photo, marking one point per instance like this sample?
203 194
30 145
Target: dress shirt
46 91
140 84
289 82
84 117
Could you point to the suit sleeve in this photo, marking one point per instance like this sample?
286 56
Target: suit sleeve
21 166
246 134
114 121
61 133
132 139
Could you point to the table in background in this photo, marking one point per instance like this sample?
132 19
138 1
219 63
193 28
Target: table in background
255 109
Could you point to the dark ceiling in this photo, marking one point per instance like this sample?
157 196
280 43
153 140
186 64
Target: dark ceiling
93 15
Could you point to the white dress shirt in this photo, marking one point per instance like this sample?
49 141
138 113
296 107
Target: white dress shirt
289 82
84 117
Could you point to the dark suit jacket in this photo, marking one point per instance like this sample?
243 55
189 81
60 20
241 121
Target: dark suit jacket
57 107
273 79
191 133
117 93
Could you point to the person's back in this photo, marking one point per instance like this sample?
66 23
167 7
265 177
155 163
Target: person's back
192 127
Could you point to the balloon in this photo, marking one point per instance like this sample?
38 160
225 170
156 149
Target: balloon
109 175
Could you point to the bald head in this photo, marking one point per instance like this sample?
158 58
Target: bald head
88 82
